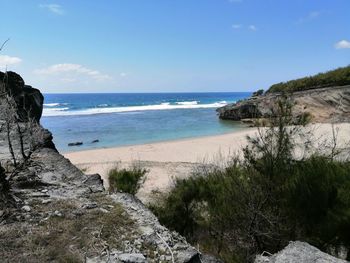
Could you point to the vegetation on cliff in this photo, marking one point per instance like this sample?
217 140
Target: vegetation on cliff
262 202
337 77
126 180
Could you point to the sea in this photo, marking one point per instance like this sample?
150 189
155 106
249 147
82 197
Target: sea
118 119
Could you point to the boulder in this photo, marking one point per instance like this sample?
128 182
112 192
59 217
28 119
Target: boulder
75 144
299 252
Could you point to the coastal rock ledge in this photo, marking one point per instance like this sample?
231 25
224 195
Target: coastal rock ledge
323 105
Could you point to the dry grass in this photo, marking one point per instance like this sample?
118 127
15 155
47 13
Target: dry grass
77 234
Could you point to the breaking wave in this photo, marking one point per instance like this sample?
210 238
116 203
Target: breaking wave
101 110
55 104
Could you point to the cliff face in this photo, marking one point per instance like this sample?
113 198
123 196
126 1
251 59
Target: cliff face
28 99
324 105
61 214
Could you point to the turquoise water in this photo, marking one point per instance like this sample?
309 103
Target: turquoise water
127 119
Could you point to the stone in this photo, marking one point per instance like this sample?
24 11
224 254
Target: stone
46 201
95 141
58 213
299 252
90 206
105 211
26 208
94 182
75 144
132 258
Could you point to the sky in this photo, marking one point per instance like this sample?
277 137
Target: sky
65 46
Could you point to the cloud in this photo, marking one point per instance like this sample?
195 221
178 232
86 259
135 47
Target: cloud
54 8
123 74
68 70
7 60
253 27
236 26
311 16
240 26
342 44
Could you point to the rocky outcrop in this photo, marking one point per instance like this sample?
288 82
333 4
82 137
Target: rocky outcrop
60 213
299 252
28 99
323 105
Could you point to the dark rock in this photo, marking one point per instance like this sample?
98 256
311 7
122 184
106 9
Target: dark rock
242 110
95 141
75 143
28 99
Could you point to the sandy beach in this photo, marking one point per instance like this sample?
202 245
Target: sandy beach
169 159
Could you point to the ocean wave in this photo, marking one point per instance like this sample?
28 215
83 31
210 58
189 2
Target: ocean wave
102 105
56 104
52 110
162 106
187 102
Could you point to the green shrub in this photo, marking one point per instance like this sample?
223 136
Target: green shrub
126 180
262 202
337 77
257 93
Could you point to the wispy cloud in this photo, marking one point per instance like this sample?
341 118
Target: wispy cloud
253 27
68 70
240 26
123 74
53 8
309 17
343 44
237 26
8 61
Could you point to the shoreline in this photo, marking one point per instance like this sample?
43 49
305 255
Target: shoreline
242 128
171 159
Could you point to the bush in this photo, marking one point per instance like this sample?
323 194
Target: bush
258 93
126 180
337 77
262 202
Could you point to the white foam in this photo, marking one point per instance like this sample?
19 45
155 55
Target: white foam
103 105
163 106
53 111
187 102
54 104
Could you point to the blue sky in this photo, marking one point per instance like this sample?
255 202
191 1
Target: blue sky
172 45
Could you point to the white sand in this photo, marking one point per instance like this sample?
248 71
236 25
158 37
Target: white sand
169 159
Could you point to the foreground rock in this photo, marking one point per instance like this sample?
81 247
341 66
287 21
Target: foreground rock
323 105
299 252
60 214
